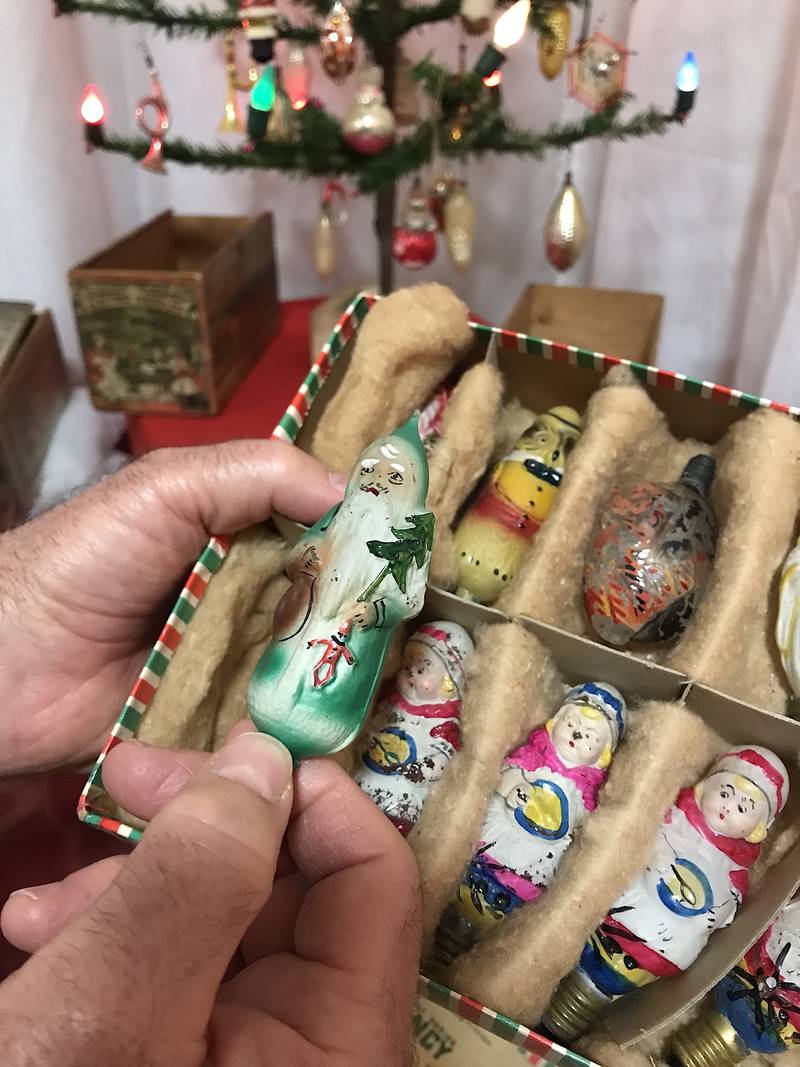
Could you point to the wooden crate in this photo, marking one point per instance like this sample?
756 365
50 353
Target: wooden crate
173 315
34 388
614 321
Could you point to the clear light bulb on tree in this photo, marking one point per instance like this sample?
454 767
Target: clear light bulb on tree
508 30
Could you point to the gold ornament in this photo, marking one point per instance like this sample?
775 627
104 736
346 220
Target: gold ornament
325 244
282 123
232 121
456 127
369 125
332 215
459 225
566 229
476 15
337 43
553 45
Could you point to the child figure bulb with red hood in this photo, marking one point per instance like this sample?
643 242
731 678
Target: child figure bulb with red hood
694 881
548 787
417 727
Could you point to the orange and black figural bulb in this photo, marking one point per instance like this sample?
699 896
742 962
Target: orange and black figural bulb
649 557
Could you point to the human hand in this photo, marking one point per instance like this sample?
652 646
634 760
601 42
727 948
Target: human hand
130 954
86 587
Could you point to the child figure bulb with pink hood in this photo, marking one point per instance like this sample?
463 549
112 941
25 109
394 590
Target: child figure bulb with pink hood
548 787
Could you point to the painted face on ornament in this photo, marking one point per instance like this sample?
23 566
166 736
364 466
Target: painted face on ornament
581 734
530 475
385 469
733 806
423 677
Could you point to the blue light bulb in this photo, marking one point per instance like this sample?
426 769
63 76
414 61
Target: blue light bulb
689 74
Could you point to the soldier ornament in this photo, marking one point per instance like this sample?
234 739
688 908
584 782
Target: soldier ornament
356 574
693 884
417 727
492 537
548 787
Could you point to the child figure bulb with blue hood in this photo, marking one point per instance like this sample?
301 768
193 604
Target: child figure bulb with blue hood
548 787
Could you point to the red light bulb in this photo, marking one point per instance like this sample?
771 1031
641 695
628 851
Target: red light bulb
93 110
493 79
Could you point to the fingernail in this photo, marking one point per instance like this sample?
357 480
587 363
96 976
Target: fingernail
338 481
35 892
257 761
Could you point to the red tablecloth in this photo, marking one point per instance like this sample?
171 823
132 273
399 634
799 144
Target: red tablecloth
258 403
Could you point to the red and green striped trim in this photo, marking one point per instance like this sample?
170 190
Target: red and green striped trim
655 376
147 683
289 426
546 1051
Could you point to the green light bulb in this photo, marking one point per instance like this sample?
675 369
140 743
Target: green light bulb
262 96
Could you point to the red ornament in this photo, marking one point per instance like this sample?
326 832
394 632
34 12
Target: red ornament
414 243
414 248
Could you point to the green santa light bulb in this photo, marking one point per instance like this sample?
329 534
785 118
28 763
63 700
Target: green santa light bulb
262 100
356 575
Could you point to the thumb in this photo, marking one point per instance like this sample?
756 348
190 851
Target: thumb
142 966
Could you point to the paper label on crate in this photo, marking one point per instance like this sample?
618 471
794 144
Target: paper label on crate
443 1039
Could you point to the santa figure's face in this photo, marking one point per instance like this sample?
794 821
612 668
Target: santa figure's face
580 734
733 806
423 678
386 468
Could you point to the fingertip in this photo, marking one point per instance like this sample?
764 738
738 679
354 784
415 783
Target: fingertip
142 778
24 918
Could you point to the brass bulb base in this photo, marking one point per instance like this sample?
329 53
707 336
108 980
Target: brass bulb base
574 1008
710 1041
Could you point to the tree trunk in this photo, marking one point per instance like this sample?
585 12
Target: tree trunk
385 198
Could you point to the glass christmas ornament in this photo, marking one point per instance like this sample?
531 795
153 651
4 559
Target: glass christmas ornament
406 95
695 879
756 1006
649 557
417 727
553 44
491 538
337 43
156 128
476 15
369 125
787 629
282 122
566 229
232 121
356 575
598 71
548 787
260 25
332 215
459 225
414 241
296 77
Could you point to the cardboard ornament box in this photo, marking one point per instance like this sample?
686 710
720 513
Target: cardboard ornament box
720 684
